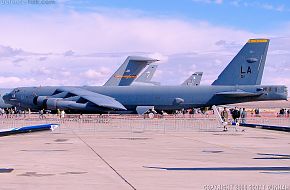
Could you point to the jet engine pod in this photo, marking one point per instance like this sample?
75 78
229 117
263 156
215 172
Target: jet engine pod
51 103
70 105
60 103
38 100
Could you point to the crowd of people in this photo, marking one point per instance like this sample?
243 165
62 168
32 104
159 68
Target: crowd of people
238 115
13 112
284 113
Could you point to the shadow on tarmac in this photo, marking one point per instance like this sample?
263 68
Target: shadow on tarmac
224 169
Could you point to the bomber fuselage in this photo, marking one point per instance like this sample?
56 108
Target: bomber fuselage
161 97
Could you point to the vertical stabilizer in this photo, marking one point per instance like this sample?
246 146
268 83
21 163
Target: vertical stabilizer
247 66
129 70
193 80
147 75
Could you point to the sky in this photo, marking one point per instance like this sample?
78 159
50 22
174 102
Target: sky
73 42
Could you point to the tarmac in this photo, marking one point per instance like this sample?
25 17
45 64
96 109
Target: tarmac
82 158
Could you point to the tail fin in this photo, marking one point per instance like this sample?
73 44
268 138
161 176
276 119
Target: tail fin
128 71
247 66
147 75
193 80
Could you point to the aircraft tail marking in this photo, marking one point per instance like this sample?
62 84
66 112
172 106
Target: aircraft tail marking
193 80
247 66
128 71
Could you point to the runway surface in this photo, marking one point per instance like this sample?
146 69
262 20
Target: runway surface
84 157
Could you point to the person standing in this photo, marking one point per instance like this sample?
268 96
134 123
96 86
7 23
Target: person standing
62 113
243 116
41 114
235 115
225 117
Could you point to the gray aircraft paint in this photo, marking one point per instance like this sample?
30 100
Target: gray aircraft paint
145 78
4 91
126 99
247 66
147 75
129 70
163 97
193 80
133 63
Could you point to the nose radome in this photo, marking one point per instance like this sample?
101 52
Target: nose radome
6 97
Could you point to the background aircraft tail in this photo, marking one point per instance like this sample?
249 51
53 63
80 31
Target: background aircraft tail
129 70
147 75
193 80
247 66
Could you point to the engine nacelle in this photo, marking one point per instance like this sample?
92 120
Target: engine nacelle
71 105
38 100
58 103
51 103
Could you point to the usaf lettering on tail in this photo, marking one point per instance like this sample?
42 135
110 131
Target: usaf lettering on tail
249 71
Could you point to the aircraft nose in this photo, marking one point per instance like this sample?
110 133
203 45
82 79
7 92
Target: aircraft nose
7 97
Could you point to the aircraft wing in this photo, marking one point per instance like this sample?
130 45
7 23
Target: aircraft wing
71 97
238 94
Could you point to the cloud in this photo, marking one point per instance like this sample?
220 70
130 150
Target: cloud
86 48
95 74
42 58
96 32
68 53
209 1
15 81
258 4
6 51
18 60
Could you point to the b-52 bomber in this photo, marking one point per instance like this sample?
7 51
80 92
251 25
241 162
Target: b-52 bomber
239 82
130 69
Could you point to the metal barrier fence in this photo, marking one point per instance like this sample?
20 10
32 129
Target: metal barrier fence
132 123
277 121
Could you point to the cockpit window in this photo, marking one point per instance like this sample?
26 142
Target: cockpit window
16 90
